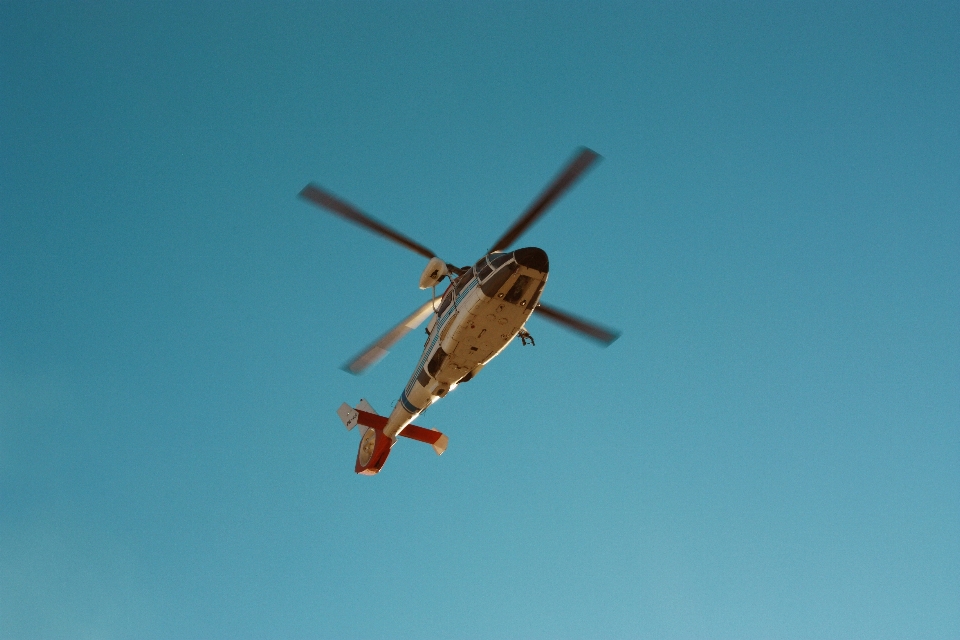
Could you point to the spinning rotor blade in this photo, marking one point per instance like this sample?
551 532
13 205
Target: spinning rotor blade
333 204
570 321
375 352
551 194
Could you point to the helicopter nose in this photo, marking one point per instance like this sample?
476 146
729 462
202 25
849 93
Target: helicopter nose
533 257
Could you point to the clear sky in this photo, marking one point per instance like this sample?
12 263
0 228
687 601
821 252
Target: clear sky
771 449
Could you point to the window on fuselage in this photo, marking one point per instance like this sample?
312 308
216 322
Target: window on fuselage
484 270
454 290
463 280
423 378
447 299
436 362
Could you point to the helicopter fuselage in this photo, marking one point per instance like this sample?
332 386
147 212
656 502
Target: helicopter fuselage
482 310
477 317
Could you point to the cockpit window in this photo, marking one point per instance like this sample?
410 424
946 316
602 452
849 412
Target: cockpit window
481 263
492 285
499 259
463 280
485 270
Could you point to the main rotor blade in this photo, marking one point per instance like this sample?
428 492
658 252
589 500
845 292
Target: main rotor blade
580 163
333 204
570 321
376 351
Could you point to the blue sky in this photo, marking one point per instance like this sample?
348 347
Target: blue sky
771 449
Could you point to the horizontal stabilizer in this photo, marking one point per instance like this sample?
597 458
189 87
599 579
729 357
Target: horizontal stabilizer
432 437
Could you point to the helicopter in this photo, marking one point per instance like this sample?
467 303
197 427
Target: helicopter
483 309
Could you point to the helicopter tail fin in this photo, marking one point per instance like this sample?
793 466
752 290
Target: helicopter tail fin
351 416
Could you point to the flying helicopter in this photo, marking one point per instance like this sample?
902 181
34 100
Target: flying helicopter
483 309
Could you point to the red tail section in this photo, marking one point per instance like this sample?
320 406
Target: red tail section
375 445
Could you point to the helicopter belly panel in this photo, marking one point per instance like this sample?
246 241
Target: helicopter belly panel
478 327
493 324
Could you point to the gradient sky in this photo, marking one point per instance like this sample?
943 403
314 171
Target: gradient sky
771 449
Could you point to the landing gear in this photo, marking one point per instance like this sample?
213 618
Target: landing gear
524 335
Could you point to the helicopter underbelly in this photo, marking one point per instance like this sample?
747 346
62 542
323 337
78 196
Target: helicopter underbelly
478 335
471 334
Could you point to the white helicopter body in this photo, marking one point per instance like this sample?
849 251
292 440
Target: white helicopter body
484 308
478 316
